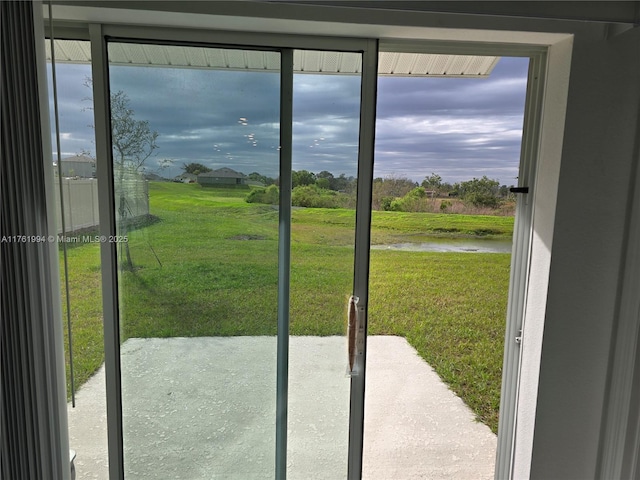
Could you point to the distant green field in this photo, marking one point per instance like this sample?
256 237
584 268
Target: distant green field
209 267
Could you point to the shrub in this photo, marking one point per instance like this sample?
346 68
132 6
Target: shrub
418 192
414 201
312 196
269 195
390 187
444 205
385 203
480 192
480 199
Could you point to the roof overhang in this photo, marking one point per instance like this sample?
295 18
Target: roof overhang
398 64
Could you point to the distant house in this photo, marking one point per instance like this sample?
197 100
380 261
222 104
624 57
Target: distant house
222 176
186 178
78 166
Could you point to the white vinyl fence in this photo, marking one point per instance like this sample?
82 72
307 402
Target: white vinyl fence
136 197
80 199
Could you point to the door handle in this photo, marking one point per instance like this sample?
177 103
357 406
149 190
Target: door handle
352 330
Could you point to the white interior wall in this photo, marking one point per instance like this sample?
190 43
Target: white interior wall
600 135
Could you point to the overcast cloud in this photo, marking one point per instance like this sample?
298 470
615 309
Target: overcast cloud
457 128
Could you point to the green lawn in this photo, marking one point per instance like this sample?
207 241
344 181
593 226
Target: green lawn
86 311
209 267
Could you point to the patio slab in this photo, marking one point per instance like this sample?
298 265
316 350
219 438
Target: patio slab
196 408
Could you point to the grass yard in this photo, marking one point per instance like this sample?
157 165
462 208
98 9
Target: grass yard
85 290
209 267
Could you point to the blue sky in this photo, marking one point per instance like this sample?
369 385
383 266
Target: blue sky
457 128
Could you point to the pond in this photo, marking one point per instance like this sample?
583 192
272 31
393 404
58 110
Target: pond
464 245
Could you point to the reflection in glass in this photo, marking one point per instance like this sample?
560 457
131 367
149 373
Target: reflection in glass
198 259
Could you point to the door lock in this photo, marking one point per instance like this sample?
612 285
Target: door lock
519 338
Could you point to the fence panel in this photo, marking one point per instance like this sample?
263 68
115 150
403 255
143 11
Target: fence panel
80 199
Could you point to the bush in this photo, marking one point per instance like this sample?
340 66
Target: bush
414 201
480 199
385 203
480 192
390 187
269 195
444 205
418 192
312 196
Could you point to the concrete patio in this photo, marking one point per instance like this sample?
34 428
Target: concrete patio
204 408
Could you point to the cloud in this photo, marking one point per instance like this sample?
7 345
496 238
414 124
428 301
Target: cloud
74 113
458 128
197 115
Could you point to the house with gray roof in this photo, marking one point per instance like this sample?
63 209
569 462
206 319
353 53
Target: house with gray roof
222 176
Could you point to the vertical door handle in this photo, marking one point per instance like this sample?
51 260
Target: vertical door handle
352 330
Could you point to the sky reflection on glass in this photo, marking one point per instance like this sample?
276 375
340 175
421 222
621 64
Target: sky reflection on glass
457 128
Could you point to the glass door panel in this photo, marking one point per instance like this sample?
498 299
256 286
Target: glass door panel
195 137
326 111
442 236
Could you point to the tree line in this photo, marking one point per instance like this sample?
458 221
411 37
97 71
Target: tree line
479 192
324 190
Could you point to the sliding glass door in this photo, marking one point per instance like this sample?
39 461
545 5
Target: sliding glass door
235 173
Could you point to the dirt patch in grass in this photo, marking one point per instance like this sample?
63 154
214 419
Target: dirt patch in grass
248 237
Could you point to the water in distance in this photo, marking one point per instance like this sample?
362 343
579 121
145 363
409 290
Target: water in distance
464 245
